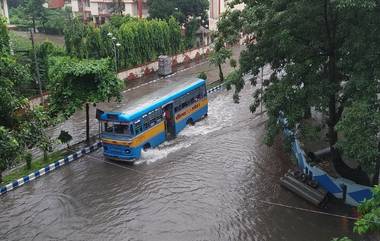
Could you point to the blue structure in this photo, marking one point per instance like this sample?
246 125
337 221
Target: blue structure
355 193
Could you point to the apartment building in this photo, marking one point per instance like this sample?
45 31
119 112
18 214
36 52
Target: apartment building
99 11
4 9
217 8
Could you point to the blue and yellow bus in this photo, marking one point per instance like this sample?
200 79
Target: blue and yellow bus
153 119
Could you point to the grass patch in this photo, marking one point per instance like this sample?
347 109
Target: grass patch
20 43
213 84
36 165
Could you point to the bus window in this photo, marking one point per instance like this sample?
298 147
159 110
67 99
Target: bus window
122 129
138 127
108 127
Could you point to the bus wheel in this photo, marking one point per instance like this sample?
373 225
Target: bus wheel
190 122
146 147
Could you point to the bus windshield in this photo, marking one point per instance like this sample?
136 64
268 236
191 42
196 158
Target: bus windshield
117 128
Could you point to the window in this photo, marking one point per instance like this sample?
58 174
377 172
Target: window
122 129
145 120
108 127
117 128
138 127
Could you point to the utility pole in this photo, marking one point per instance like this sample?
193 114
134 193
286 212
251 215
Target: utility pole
37 69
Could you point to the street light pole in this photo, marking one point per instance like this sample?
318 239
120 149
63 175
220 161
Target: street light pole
115 46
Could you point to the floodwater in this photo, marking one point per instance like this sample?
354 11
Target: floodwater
208 184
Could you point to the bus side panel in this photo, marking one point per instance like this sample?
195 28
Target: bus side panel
194 116
156 140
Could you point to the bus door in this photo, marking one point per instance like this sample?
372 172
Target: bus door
169 121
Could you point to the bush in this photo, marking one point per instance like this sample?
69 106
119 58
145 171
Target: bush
202 75
28 160
141 40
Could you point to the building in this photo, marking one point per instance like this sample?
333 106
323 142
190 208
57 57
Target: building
99 11
217 8
4 9
54 4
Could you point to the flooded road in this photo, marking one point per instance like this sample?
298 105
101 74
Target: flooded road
205 185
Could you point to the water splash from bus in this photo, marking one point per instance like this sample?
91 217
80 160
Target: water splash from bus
161 152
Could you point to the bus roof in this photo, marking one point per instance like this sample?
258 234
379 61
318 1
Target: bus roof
138 107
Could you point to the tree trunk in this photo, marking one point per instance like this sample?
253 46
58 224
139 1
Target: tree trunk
307 113
46 156
34 24
221 76
330 28
376 177
28 159
87 123
332 134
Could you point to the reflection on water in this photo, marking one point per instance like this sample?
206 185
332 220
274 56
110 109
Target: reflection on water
204 185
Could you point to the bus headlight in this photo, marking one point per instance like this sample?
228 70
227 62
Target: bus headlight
128 151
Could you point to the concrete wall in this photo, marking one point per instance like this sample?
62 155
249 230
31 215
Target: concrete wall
152 67
4 9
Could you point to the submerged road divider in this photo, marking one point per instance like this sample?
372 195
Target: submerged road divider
49 168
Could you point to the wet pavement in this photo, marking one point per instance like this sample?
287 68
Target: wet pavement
76 125
207 184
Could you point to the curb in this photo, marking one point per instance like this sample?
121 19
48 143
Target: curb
215 89
49 168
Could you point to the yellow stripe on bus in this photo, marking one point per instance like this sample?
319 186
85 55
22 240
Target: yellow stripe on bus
147 135
191 109
141 138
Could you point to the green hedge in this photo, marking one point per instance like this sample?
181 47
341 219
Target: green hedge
141 40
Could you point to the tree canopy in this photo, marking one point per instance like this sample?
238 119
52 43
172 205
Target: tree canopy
140 40
189 13
75 83
35 11
323 55
4 37
181 9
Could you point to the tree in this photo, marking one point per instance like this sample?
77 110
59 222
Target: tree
32 130
219 56
140 40
65 137
181 9
9 149
35 10
11 100
21 127
359 128
189 13
317 51
202 75
370 211
161 9
369 222
76 83
4 37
